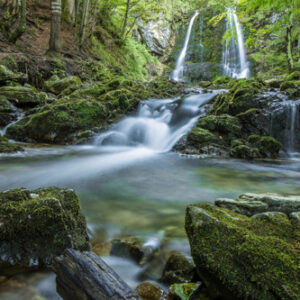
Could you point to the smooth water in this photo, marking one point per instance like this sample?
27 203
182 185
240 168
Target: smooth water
234 59
130 183
177 74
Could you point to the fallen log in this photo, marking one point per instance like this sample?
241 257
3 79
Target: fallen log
85 276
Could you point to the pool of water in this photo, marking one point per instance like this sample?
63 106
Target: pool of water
137 191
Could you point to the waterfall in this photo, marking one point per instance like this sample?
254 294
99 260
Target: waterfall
293 118
177 74
158 125
234 58
201 38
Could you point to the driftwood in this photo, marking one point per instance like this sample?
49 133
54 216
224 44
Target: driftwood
85 276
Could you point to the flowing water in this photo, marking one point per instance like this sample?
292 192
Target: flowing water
234 59
178 72
130 183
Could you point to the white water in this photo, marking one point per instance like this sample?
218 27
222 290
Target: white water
293 119
234 57
158 125
19 117
177 74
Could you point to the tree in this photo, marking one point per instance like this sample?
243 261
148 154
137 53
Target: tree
54 42
84 21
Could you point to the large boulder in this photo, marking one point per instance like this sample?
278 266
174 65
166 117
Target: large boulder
7 75
242 257
23 96
36 226
7 112
59 122
56 85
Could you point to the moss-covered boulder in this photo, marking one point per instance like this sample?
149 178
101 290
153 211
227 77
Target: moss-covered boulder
56 85
268 146
8 147
199 137
7 75
150 291
23 96
245 152
293 76
241 97
291 88
38 225
60 122
241 257
9 62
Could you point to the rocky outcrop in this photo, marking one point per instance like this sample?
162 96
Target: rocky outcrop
36 226
7 112
57 85
247 248
7 147
156 34
6 75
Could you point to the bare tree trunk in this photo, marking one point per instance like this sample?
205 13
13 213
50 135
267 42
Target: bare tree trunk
125 19
54 42
84 20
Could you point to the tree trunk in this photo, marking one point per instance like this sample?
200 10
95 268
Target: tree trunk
125 18
84 20
289 41
54 43
22 23
86 276
76 11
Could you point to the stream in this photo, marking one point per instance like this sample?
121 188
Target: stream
131 183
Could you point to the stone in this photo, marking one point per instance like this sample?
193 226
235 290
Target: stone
7 75
23 96
150 291
7 112
237 256
295 216
178 269
7 147
242 206
56 85
274 83
48 223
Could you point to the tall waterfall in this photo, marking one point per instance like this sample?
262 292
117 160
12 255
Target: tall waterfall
234 58
158 125
293 119
177 74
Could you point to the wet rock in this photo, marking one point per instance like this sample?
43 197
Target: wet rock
150 291
23 96
295 216
49 221
274 83
7 112
245 152
7 147
56 85
178 269
128 247
199 137
244 207
241 257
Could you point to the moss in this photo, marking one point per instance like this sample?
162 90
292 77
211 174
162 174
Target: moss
7 147
10 63
250 258
244 152
293 76
199 137
237 142
185 291
57 122
268 146
37 226
56 86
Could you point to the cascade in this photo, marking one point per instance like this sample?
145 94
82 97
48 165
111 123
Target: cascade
292 119
177 74
158 125
234 58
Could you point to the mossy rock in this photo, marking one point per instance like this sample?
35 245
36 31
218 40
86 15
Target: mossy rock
268 146
5 105
23 96
7 75
8 147
239 257
10 63
244 152
37 226
56 85
199 137
226 127
241 97
293 76
58 122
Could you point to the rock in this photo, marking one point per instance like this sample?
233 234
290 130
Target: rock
268 146
274 83
156 34
7 75
275 202
199 137
56 85
49 221
239 257
10 63
205 71
293 76
295 216
244 207
8 147
128 247
23 96
7 112
60 121
291 88
178 269
185 291
150 291
245 152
